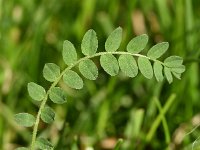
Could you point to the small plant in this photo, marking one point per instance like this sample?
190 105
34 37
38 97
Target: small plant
126 62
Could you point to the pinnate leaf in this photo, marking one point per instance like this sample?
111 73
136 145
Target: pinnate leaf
173 61
88 69
47 114
36 91
114 40
158 50
51 72
43 144
56 94
89 43
110 64
69 53
168 74
137 44
158 71
128 65
25 119
73 80
145 67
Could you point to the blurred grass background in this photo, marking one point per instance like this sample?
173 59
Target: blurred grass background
144 113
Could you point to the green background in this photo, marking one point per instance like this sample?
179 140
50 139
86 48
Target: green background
144 113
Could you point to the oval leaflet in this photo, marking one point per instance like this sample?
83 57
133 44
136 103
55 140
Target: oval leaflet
158 69
114 40
25 119
110 64
69 53
47 114
145 67
128 65
88 69
168 75
36 91
51 72
158 50
137 44
56 94
89 43
73 80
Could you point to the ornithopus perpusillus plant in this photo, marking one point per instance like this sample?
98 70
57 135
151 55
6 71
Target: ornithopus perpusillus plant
130 62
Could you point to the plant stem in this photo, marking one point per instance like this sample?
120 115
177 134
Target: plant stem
35 128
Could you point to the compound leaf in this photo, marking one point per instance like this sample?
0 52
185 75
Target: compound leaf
145 67
36 91
173 61
25 119
137 44
158 50
51 72
56 94
168 74
73 80
43 144
109 64
69 53
128 65
114 40
89 43
158 69
88 69
47 114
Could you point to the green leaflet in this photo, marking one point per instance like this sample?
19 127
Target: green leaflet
25 119
43 144
158 50
89 43
47 114
175 67
158 69
56 94
73 80
69 53
177 75
51 72
128 65
88 69
145 67
114 40
168 75
36 91
173 61
137 44
109 64
180 69
21 148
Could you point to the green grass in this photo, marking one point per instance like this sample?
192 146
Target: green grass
137 110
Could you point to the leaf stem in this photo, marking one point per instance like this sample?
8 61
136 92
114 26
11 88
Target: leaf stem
35 128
